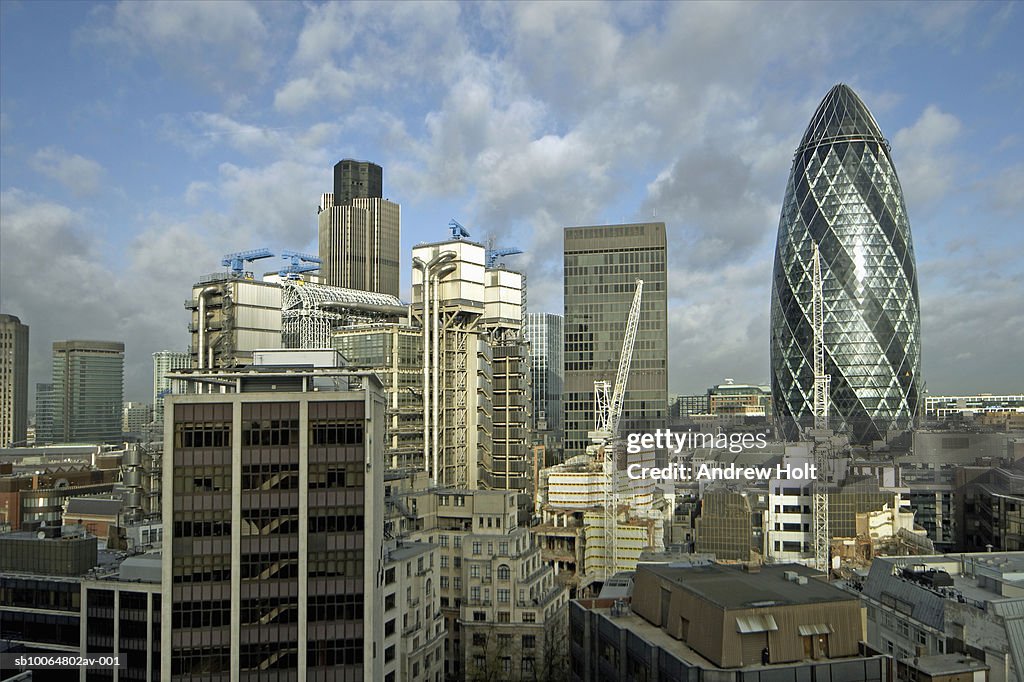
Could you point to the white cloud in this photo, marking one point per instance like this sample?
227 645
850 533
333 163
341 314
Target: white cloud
82 176
218 44
923 160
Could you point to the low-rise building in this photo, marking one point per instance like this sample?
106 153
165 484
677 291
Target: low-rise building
949 604
723 623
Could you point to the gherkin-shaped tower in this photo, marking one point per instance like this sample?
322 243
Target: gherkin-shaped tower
844 196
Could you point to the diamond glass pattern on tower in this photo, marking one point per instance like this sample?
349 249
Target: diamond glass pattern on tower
844 196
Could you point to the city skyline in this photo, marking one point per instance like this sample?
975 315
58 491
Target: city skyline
242 110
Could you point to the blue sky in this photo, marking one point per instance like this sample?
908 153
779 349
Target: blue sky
139 141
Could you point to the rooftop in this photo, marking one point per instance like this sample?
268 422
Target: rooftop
731 587
948 664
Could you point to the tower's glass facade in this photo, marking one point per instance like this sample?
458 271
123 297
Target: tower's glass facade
602 264
844 196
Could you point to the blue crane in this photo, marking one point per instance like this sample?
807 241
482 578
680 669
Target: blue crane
458 231
492 255
300 262
237 261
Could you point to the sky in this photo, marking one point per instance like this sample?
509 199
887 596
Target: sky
141 141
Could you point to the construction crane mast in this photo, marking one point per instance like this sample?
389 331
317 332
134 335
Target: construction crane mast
822 444
608 402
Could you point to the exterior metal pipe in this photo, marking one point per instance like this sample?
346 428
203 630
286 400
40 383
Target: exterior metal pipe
442 269
435 320
201 352
418 263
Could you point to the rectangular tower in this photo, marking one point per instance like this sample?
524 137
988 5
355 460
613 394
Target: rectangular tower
45 408
13 381
88 385
273 500
166 361
359 231
544 332
602 264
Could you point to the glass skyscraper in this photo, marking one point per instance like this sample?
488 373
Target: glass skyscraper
544 332
88 382
844 196
602 264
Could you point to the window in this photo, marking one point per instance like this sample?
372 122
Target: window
503 549
389 602
444 561
474 571
529 641
444 582
529 617
476 548
504 572
503 596
503 617
444 540
479 639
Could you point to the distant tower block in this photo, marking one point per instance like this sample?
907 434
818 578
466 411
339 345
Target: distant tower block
359 231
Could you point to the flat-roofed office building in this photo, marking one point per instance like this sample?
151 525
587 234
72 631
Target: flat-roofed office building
273 502
602 264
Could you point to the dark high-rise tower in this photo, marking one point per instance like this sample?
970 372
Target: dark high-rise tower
359 231
602 264
357 180
844 196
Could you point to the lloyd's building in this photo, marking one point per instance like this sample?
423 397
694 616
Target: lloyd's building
843 196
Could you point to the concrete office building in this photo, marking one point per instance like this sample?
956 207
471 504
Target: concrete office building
60 595
722 623
943 407
231 316
730 398
164 362
547 372
502 604
359 231
13 381
970 604
135 417
844 199
394 351
273 508
88 385
602 264
414 631
471 317
509 466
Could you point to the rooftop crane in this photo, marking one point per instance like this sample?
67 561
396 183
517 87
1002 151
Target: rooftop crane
608 401
822 448
237 261
458 231
492 255
300 262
